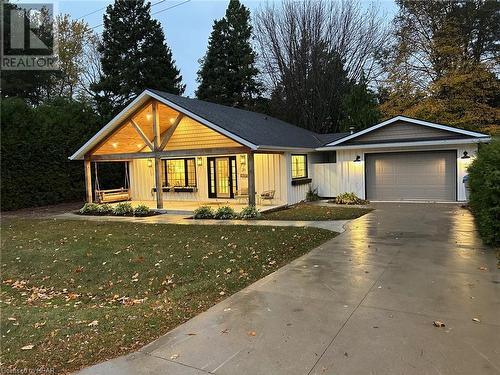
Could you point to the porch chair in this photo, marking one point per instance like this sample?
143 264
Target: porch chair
267 195
241 194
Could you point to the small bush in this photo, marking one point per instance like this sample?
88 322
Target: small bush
249 212
349 198
224 213
89 209
123 209
142 210
312 195
104 209
484 185
204 212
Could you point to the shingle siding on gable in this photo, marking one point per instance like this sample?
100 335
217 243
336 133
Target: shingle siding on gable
402 131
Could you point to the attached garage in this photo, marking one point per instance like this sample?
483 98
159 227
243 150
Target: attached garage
421 175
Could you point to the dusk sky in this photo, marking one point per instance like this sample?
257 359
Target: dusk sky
186 26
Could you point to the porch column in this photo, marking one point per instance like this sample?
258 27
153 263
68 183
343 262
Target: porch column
159 190
88 180
156 144
251 179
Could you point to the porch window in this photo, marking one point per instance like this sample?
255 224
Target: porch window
180 173
299 166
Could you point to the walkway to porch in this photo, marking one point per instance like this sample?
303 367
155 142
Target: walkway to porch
188 207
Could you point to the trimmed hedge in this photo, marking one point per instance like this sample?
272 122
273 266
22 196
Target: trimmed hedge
36 144
484 199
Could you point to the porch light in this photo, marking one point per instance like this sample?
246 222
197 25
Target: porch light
243 159
358 159
150 163
465 155
199 161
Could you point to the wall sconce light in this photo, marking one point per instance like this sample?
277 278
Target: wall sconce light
150 163
358 159
199 161
243 159
465 155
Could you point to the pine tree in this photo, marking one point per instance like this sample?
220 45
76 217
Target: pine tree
134 56
228 74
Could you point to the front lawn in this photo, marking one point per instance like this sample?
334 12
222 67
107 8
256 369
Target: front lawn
78 292
313 212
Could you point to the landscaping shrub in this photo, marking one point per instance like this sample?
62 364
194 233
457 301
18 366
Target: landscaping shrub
104 209
142 210
36 143
123 209
249 212
203 212
349 198
224 213
89 209
484 197
312 195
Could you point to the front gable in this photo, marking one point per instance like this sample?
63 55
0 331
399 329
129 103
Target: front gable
132 132
403 129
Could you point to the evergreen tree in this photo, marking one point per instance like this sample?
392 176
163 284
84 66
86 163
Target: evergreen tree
359 107
228 74
134 56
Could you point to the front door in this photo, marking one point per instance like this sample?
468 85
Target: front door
222 177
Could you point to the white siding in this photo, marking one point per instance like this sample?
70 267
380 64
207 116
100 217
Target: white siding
142 179
347 176
269 169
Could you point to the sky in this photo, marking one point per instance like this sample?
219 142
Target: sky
187 26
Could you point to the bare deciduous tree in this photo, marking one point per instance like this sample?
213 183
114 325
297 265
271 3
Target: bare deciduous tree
309 50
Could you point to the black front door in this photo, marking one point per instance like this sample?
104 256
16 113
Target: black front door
222 178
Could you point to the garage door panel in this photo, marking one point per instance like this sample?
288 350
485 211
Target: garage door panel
429 175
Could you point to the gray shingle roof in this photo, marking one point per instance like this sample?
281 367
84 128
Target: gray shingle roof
257 128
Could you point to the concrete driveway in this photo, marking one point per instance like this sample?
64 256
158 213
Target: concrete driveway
363 303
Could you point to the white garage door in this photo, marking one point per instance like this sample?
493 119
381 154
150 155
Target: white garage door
427 175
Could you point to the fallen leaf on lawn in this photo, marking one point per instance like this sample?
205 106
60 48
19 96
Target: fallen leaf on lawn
476 320
93 323
191 334
483 268
228 270
438 323
12 318
251 333
28 347
174 356
136 275
224 330
222 293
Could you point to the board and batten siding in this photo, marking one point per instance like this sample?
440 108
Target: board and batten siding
296 193
269 172
348 176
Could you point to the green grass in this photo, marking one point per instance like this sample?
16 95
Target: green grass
309 212
134 281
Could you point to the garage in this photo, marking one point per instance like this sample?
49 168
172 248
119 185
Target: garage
420 175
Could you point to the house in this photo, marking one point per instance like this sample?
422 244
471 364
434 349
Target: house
199 152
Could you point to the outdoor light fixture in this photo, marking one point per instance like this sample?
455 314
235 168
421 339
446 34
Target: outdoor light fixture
148 116
465 155
150 163
199 160
115 145
358 159
172 120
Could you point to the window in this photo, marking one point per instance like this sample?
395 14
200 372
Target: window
180 173
299 166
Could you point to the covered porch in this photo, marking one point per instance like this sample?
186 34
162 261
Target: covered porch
176 161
